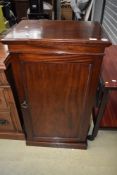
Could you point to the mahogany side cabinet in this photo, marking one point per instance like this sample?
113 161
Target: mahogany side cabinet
10 126
55 67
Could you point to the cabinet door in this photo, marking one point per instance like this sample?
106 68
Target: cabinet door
58 96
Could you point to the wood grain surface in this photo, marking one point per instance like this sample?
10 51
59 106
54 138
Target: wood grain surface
56 66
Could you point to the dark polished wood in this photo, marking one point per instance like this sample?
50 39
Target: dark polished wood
105 114
109 77
56 66
109 116
109 67
44 30
109 119
10 126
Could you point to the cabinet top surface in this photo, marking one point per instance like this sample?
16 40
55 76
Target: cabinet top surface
29 30
109 67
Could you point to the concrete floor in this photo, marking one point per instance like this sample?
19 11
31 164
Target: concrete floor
99 159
